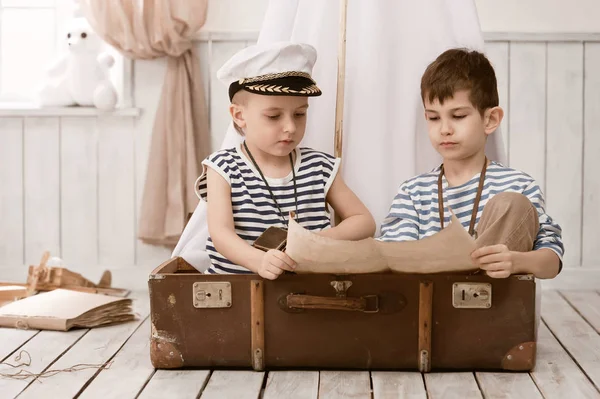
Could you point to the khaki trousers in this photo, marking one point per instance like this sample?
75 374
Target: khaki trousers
509 219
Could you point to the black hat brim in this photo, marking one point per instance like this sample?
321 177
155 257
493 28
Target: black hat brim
284 86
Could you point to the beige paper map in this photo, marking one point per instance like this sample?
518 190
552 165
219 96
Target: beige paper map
446 251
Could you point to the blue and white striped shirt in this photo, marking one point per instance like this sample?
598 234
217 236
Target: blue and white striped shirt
414 213
253 208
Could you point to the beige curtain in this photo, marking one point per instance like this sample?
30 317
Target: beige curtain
148 29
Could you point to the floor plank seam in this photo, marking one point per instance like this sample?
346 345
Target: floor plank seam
206 380
145 384
532 378
19 347
571 356
319 385
478 383
263 386
54 361
93 377
425 386
576 310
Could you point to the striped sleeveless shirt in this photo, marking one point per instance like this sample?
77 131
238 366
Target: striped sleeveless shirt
253 208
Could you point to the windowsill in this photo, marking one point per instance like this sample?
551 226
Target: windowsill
24 109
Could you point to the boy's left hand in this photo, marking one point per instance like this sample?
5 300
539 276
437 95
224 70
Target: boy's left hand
496 260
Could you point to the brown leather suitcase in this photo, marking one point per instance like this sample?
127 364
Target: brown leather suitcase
363 321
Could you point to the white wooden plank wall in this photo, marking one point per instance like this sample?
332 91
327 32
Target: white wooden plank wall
11 194
591 155
551 112
41 210
73 185
68 187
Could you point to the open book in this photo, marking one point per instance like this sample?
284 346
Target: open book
62 310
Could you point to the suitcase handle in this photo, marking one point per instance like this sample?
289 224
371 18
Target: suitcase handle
365 304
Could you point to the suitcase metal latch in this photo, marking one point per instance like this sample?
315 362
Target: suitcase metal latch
212 295
341 287
472 295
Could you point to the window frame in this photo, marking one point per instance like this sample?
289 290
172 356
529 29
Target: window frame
122 78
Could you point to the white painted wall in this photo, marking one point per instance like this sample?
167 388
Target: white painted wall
235 15
73 185
495 16
90 216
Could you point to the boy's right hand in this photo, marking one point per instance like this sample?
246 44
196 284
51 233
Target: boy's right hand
273 263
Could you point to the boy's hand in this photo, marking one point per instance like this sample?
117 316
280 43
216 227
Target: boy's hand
273 263
496 260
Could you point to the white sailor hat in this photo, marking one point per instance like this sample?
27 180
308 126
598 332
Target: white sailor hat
276 69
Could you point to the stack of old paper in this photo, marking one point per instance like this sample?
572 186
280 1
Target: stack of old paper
62 310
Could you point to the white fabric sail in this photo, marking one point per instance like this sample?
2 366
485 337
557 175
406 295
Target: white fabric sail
389 44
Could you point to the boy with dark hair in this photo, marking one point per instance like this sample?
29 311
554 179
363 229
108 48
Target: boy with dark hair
501 207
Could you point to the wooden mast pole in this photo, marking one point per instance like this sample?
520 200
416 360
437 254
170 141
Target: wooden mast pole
341 80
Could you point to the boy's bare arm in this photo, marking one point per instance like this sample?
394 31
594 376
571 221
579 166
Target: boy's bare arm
228 243
356 221
220 224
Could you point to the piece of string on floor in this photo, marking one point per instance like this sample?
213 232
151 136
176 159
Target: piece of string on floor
24 374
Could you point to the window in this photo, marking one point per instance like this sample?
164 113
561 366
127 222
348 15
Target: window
32 36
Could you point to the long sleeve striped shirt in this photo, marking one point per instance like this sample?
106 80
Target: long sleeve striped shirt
414 213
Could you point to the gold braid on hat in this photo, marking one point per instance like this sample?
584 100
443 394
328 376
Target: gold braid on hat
271 76
282 89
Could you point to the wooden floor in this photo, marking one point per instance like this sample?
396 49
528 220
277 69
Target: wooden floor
568 366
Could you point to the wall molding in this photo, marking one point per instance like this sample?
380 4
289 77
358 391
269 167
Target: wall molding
32 110
541 36
224 36
575 278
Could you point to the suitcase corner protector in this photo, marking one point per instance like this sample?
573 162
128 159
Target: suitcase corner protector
164 353
521 357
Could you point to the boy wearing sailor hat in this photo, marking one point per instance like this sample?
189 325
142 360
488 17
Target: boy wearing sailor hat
255 186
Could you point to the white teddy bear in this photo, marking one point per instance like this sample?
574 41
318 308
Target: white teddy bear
81 76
